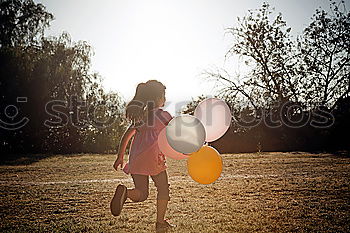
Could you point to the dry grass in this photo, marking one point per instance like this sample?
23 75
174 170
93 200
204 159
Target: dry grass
266 192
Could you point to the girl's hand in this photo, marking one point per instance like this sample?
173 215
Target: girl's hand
118 161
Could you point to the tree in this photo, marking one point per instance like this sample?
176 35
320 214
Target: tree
22 22
53 74
191 106
288 80
265 46
325 52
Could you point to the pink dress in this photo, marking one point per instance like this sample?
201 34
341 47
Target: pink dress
145 158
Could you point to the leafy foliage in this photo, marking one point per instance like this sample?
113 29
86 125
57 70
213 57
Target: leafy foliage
67 107
325 52
22 22
290 83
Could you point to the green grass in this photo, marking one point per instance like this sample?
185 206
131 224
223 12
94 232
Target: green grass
265 192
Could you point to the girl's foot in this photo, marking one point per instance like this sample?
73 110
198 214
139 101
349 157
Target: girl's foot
118 200
163 226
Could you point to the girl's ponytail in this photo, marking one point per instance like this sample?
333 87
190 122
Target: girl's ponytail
135 109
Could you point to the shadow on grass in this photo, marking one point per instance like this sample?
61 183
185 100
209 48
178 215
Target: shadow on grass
22 159
342 153
27 159
338 153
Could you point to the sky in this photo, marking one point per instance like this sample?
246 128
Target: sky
173 41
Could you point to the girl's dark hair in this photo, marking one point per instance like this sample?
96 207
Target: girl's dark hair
146 95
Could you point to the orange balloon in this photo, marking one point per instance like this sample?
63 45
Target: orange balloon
205 165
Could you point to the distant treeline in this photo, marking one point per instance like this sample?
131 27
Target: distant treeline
50 101
285 127
294 97
295 94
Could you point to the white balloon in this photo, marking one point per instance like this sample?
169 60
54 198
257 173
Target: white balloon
216 117
185 134
166 149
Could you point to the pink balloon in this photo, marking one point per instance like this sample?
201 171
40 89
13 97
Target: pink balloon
166 149
216 117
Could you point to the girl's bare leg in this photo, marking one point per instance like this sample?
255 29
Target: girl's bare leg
133 194
161 209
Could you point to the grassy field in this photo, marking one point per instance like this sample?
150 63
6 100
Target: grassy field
265 192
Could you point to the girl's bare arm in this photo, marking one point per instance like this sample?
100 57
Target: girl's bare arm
129 133
122 147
